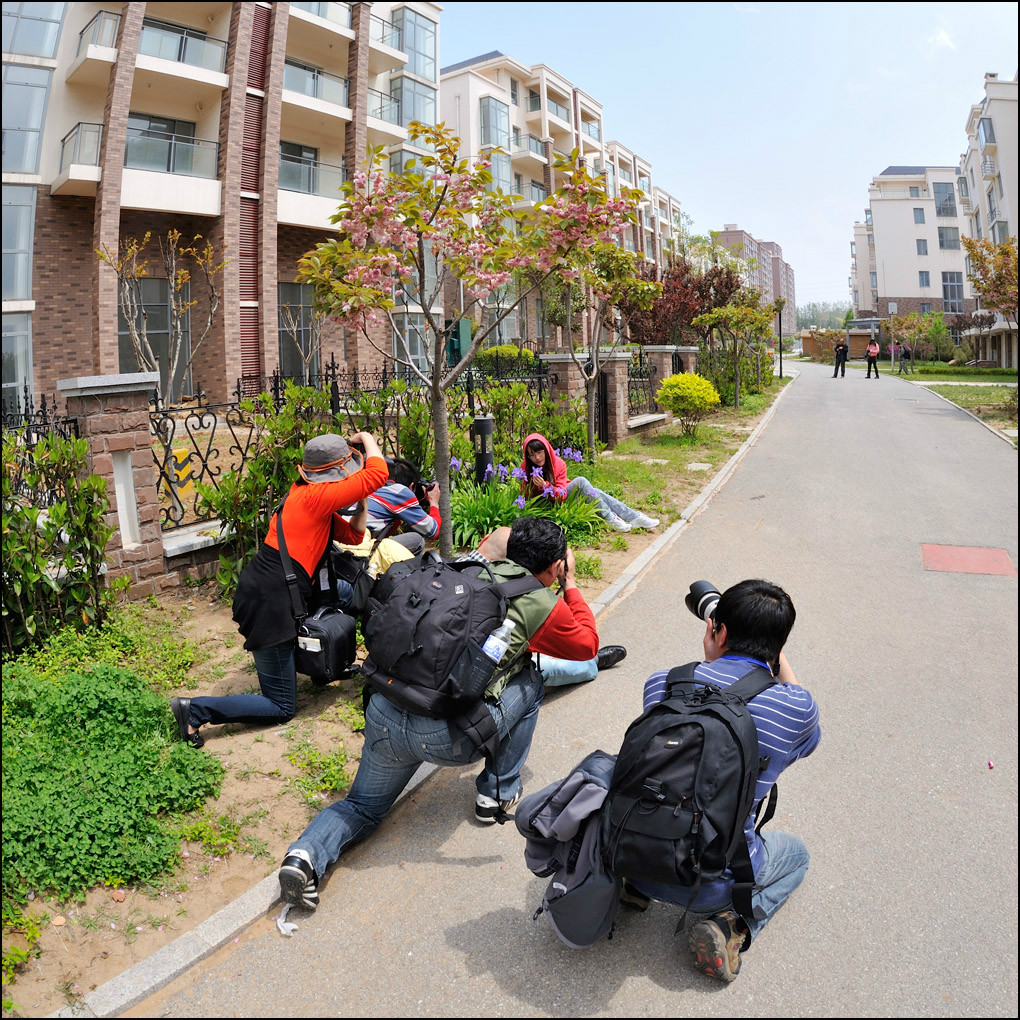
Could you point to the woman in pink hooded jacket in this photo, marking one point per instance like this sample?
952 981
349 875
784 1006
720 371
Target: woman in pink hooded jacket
546 475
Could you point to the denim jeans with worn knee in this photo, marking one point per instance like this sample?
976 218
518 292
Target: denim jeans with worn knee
276 704
396 743
782 870
563 672
606 505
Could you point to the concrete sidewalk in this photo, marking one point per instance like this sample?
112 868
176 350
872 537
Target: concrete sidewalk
913 835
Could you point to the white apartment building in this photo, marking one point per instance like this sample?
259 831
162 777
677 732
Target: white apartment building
535 115
987 192
911 232
236 121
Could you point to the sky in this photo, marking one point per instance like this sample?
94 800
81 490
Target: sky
771 116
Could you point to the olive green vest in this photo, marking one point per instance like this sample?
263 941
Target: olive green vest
528 613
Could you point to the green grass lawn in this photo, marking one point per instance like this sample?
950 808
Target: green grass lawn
945 373
987 402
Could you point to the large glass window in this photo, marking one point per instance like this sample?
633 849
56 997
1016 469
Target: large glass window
18 227
417 101
986 133
873 279
24 98
919 215
299 331
418 41
949 238
502 175
495 120
952 292
409 339
156 299
496 304
168 146
32 29
17 357
945 199
961 184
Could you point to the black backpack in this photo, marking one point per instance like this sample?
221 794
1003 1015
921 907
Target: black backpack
425 627
684 787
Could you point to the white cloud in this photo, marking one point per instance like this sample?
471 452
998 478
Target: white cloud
940 39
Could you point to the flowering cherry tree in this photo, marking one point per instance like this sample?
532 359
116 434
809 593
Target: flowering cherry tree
435 235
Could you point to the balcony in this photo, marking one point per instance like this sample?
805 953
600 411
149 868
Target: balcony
989 169
384 118
184 63
384 53
529 152
591 136
79 161
309 191
319 34
338 15
558 109
165 153
314 100
170 173
97 51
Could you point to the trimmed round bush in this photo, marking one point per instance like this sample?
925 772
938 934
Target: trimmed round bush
505 355
689 397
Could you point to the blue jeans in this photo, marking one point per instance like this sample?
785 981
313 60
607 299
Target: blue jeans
276 704
607 505
561 672
396 743
783 869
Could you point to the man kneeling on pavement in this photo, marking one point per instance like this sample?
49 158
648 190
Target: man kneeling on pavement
398 741
749 628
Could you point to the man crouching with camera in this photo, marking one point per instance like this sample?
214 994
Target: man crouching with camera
745 631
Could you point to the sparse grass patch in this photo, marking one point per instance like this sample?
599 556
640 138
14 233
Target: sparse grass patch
588 566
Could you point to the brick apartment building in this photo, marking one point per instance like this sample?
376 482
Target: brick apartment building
236 121
764 269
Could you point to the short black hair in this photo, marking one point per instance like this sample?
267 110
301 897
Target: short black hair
535 543
759 616
404 472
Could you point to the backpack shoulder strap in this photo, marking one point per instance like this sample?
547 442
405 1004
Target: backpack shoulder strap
679 676
752 684
519 586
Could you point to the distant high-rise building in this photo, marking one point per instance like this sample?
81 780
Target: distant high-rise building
764 269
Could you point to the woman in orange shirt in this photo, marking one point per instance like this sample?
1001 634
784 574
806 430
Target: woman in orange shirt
332 477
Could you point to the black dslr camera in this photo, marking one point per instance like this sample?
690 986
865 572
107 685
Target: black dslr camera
702 599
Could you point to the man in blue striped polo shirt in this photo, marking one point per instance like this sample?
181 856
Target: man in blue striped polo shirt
749 627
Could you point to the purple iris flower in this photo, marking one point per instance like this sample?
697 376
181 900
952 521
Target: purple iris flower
519 502
518 474
489 472
549 490
502 470
455 465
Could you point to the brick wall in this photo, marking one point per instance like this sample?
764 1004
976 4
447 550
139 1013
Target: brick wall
909 305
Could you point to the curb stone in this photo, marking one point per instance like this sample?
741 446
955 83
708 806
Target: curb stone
991 428
148 976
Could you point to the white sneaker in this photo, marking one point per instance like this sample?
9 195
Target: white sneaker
617 523
487 810
644 521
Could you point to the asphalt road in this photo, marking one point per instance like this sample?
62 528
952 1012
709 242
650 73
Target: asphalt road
910 906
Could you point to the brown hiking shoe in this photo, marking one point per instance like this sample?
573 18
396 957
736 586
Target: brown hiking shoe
716 944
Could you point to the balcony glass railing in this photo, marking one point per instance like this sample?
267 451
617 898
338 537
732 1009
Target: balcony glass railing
383 106
534 103
310 81
626 175
100 31
182 45
311 177
81 145
171 154
338 14
559 109
536 146
591 129
382 31
537 192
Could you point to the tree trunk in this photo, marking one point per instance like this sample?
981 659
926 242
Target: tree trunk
441 425
590 394
736 372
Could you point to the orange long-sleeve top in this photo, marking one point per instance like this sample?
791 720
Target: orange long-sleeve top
309 519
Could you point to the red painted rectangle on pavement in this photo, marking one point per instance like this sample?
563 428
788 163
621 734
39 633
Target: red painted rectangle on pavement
967 559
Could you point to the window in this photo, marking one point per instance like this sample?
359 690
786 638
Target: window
894 307
542 331
299 328
915 192
867 217
32 29
952 292
986 133
873 279
537 192
18 230
945 199
856 297
919 215
1000 231
993 212
515 92
182 45
961 184
923 278
168 146
515 137
949 238
871 240
409 339
922 246
518 184
297 168
853 249
495 122
496 304
402 159
417 101
925 307
156 300
976 231
998 184
501 173
418 41
17 358
24 98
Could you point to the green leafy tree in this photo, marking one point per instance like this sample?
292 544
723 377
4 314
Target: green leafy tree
743 329
439 229
993 274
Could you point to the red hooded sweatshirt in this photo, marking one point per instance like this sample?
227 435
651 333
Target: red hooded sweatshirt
559 469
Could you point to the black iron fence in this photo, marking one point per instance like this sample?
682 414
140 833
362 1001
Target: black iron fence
26 425
642 385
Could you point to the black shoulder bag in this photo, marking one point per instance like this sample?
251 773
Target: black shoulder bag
326 640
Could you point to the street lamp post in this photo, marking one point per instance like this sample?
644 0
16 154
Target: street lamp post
780 305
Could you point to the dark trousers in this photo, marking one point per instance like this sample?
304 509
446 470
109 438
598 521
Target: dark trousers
840 368
872 361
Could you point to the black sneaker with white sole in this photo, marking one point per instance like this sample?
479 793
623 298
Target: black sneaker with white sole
298 884
489 811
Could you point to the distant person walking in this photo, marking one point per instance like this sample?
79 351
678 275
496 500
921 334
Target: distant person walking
842 350
873 352
904 368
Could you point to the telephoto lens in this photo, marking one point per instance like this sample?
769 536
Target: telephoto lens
702 599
